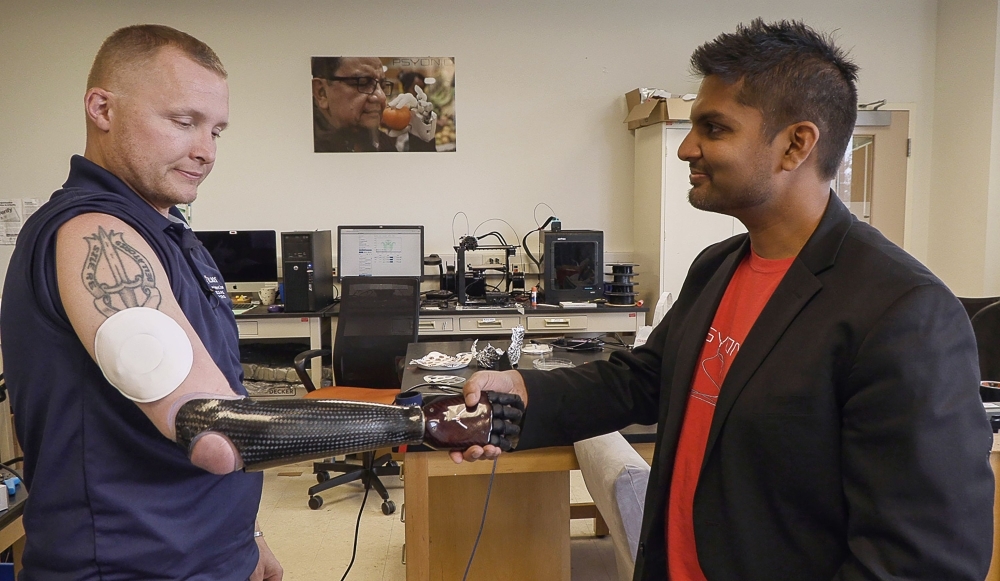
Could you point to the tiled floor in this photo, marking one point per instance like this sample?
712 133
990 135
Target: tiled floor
316 544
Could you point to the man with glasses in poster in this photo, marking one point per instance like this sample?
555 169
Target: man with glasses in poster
349 97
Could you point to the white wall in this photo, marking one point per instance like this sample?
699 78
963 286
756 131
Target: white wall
965 222
540 88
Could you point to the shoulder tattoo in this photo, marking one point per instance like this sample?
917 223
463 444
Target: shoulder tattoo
117 274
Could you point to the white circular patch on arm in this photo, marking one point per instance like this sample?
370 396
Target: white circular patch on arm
144 353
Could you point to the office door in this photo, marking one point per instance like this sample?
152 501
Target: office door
872 177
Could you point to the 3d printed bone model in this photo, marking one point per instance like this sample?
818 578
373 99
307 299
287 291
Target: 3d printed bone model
272 433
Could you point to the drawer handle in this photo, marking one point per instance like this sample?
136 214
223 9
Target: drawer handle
557 322
427 325
489 323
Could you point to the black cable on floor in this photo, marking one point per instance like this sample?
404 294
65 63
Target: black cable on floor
357 528
482 523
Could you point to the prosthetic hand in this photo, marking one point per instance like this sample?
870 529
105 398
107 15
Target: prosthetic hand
423 119
272 433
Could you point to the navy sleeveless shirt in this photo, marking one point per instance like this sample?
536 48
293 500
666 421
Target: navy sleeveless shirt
109 496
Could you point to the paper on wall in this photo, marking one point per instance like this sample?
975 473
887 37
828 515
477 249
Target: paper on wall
13 213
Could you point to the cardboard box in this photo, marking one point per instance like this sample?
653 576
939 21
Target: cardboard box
655 109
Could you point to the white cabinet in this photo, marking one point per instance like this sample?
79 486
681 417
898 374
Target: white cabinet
667 232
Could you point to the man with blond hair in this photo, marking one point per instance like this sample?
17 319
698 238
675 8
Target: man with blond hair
110 496
122 353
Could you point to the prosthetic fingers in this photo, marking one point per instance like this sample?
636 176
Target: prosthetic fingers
276 432
423 119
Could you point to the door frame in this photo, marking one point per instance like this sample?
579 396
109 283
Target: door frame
908 217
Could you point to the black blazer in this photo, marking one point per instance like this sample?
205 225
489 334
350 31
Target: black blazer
849 441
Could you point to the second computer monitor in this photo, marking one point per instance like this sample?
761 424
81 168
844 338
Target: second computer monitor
247 259
380 251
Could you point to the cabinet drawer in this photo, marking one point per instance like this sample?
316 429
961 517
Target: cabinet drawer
557 323
487 324
247 328
276 327
436 325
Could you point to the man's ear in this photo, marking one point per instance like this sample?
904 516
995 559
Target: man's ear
319 94
97 103
802 138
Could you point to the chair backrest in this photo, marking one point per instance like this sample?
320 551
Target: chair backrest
986 325
378 319
974 304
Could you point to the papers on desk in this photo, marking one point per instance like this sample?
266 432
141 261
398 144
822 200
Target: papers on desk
437 361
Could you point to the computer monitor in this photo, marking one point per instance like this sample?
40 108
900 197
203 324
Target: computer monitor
380 251
247 259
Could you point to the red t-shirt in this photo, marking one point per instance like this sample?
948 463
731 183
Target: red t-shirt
751 287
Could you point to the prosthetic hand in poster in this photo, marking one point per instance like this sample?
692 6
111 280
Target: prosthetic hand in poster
266 433
423 119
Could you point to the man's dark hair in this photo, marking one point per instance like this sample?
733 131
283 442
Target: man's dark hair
790 73
325 67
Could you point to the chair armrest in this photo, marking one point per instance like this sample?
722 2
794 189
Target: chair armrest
300 366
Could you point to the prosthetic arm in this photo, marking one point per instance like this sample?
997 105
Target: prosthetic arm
271 433
146 355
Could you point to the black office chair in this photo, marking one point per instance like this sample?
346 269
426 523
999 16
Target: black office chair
378 319
974 304
986 325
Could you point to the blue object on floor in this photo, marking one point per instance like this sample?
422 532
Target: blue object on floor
6 571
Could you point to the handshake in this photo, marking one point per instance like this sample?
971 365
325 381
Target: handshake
451 425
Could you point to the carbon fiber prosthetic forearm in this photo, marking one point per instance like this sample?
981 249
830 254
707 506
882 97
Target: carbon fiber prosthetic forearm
272 433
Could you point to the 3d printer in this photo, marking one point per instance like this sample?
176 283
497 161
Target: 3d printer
475 285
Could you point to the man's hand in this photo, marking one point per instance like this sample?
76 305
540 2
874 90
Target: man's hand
268 568
500 381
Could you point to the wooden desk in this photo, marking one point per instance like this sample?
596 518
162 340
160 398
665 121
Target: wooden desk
994 573
527 527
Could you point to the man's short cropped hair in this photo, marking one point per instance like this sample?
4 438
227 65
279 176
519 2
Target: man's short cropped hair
790 73
139 43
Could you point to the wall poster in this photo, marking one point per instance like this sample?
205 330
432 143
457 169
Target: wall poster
376 104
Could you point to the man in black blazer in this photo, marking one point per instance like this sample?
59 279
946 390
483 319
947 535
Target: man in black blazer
846 439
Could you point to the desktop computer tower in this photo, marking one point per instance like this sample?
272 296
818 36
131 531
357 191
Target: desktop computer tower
307 267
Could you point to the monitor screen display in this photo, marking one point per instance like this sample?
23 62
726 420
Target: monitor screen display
574 264
380 251
247 259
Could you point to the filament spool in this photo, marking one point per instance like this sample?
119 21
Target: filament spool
620 290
